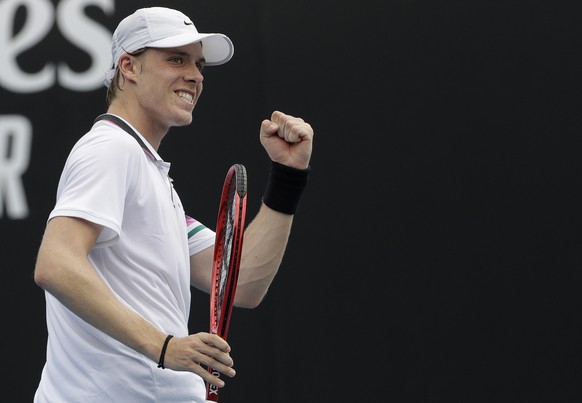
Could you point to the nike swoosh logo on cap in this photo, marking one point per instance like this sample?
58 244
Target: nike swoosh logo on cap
188 23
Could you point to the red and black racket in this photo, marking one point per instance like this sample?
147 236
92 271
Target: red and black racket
227 253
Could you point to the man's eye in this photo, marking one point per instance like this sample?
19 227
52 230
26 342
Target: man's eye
177 60
200 66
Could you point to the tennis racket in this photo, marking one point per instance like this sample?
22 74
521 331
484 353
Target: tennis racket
227 253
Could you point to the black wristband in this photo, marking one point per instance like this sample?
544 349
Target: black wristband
163 353
285 187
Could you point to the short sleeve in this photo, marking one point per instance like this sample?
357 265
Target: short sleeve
199 236
95 181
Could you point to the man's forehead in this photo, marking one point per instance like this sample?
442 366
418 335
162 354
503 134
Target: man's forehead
193 50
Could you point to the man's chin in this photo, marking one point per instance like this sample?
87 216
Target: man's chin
183 120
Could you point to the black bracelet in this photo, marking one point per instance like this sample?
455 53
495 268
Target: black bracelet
285 187
163 353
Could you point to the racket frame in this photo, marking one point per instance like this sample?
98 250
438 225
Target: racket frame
235 190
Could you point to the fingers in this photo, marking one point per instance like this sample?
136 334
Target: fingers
290 128
217 352
218 367
268 128
197 352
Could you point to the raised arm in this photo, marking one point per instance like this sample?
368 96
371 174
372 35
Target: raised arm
288 141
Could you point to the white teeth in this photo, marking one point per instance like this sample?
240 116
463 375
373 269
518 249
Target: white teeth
185 96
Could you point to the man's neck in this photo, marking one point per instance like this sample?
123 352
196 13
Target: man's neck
146 127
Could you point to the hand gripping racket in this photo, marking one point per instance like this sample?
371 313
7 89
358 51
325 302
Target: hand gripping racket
227 253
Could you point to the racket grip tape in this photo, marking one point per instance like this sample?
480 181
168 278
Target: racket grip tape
285 187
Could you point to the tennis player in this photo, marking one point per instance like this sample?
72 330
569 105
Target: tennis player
119 254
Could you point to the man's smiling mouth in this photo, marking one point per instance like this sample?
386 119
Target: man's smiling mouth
185 96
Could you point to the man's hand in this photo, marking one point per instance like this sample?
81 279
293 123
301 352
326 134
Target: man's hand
287 139
191 352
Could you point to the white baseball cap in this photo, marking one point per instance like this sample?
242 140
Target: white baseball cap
160 27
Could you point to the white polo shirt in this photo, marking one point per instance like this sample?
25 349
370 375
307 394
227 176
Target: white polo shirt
142 254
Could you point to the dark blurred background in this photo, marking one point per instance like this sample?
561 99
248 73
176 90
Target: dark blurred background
436 253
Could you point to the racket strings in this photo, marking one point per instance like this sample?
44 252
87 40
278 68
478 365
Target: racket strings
224 252
228 249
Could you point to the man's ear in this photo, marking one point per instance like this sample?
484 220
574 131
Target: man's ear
128 66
